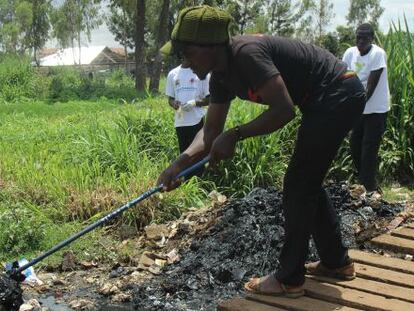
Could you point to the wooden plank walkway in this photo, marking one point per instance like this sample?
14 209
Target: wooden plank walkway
382 284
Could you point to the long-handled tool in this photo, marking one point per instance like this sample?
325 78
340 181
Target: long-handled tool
15 272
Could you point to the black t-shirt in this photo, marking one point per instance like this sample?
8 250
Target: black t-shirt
253 59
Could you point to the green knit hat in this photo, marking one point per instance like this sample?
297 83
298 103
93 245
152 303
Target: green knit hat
202 25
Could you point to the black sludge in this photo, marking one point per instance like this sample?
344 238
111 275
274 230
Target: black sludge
10 294
246 241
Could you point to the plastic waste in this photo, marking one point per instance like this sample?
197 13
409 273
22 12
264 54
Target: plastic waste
29 273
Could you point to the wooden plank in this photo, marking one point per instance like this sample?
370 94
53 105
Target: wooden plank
300 304
354 298
394 243
383 275
411 225
405 233
381 261
239 304
373 287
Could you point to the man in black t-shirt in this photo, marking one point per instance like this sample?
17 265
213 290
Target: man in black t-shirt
279 73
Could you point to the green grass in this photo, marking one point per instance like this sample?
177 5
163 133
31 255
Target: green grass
398 193
65 164
76 161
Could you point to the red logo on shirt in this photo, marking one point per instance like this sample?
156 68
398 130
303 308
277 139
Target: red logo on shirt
253 96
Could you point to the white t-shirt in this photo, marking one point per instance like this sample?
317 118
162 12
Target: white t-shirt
184 85
375 59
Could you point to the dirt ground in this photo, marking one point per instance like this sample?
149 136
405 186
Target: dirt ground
205 256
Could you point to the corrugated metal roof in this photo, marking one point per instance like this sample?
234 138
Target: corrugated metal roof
70 56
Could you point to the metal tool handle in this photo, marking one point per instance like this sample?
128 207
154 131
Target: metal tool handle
108 217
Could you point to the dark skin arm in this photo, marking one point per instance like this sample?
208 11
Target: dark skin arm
199 148
280 112
221 145
173 103
204 102
372 83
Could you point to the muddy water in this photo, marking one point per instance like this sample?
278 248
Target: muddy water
49 302
246 241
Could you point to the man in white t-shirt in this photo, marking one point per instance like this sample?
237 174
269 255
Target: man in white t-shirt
187 95
370 63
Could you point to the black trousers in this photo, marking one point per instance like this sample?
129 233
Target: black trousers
186 135
365 144
307 208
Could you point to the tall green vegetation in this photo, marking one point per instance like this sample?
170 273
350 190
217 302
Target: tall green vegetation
19 79
398 149
67 83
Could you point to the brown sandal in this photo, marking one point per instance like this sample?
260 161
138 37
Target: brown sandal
253 287
346 273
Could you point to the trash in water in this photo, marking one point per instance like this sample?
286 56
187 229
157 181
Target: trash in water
29 274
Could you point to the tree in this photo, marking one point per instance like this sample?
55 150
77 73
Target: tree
346 38
140 46
305 30
245 12
121 22
87 18
15 20
330 42
39 29
317 16
281 16
73 18
361 11
160 40
322 10
62 30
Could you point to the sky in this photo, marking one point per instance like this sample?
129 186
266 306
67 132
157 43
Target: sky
394 9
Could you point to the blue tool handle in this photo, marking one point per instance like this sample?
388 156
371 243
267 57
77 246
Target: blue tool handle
193 167
108 217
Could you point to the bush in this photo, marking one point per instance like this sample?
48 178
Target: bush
65 84
21 230
19 79
69 83
120 85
